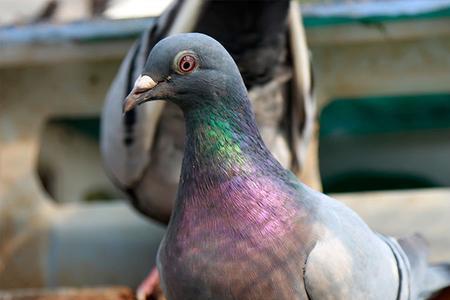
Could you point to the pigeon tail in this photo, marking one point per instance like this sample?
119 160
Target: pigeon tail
437 279
426 280
416 249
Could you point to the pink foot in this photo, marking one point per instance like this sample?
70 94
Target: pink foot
150 288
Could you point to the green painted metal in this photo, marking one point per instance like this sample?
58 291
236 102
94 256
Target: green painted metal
385 114
349 126
314 21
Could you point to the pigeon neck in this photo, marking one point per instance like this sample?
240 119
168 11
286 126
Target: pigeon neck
222 141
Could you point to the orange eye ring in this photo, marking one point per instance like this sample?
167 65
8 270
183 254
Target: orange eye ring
187 63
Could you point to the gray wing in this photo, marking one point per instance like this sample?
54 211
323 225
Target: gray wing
350 261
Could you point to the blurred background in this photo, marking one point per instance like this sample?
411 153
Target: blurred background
382 144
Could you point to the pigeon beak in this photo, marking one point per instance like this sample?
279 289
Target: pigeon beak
139 93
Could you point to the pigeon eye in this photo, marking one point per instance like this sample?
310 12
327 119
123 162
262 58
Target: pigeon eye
187 63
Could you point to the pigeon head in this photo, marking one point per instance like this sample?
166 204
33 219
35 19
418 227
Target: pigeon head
195 72
191 70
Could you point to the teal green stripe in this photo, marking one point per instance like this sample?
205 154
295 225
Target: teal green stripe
313 21
376 115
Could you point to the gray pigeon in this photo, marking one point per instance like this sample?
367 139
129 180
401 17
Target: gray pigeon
142 152
244 227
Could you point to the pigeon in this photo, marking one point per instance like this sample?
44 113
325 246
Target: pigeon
142 152
243 226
